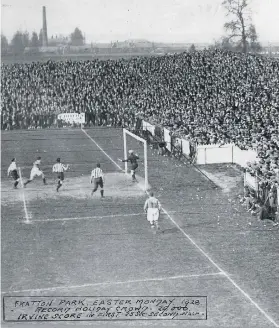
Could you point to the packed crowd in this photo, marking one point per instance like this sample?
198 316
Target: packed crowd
208 97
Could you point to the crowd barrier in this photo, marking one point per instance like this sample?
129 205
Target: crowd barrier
148 127
228 153
185 147
213 154
167 138
242 157
251 181
208 154
184 144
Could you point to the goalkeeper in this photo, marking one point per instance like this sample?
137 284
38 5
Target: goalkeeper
133 159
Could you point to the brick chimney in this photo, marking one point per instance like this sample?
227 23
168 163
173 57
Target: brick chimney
45 39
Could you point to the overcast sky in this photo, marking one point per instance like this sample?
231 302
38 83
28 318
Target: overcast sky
155 20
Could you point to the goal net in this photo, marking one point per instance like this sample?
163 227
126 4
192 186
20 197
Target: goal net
139 146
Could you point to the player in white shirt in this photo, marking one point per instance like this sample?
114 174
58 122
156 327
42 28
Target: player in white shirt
97 176
152 207
12 171
59 168
36 172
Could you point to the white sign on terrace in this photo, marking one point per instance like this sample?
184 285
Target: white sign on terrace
72 117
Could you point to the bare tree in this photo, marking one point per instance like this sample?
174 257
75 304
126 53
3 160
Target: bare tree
240 29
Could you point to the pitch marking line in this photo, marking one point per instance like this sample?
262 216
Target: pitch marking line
268 317
23 197
101 149
111 283
92 217
222 271
89 217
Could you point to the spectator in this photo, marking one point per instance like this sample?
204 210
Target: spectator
209 96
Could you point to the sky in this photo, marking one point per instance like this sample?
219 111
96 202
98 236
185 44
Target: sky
176 21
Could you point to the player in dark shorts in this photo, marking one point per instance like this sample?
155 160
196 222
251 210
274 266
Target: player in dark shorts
13 172
97 176
162 148
133 159
59 168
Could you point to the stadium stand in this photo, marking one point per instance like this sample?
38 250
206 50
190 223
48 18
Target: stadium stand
206 97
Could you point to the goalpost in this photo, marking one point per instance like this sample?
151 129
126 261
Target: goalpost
125 133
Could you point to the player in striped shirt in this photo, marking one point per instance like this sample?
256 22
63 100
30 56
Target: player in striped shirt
59 168
12 170
97 176
133 159
152 207
36 172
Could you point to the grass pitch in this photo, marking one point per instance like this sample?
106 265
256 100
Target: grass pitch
78 245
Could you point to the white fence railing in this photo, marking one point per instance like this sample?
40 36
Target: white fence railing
167 138
251 181
229 153
213 154
210 154
149 127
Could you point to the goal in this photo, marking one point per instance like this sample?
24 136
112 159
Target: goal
134 138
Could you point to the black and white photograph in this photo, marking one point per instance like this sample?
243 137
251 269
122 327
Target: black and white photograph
140 163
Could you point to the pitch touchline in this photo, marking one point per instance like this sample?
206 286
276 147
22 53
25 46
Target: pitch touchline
200 249
107 283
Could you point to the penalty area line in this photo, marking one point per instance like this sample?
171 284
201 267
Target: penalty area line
246 295
111 283
23 198
92 217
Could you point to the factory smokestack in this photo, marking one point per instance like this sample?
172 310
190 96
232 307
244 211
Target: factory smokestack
45 39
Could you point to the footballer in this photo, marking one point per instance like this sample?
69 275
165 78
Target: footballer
133 159
13 172
36 172
59 168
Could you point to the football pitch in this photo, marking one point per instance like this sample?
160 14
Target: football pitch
69 243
